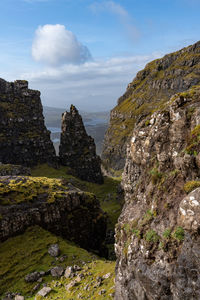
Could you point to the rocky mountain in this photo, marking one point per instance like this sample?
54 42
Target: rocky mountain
149 91
77 150
157 235
24 138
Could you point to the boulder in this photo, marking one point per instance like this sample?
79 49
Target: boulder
54 250
44 291
57 271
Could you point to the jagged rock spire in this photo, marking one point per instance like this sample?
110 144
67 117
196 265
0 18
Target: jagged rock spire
77 149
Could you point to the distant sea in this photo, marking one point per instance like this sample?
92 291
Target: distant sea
92 122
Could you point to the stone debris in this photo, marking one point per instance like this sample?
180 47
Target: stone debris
44 291
70 285
32 277
102 292
106 276
18 297
54 250
57 271
68 272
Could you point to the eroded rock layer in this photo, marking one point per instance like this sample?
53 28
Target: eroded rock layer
77 149
150 90
157 236
53 205
24 138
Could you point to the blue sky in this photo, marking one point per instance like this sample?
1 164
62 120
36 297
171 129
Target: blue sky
86 52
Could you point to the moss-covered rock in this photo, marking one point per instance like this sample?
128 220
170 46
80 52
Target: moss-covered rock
52 204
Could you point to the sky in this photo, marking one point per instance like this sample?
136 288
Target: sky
86 52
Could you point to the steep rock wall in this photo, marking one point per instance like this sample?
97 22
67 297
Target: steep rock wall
53 205
149 91
24 138
157 235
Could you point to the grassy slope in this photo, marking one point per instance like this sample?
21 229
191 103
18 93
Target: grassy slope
28 252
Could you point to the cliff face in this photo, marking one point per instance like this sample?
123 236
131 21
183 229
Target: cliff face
53 205
157 235
24 138
77 149
149 91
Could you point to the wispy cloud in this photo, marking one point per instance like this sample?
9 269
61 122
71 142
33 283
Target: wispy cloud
123 15
93 86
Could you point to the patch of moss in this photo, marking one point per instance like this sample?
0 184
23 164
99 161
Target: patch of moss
155 175
194 141
191 185
28 189
167 233
151 236
179 234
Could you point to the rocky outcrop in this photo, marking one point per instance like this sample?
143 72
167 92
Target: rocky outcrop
77 149
53 205
14 170
149 91
24 138
157 235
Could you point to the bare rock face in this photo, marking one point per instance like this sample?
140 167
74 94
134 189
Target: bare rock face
149 91
157 235
77 149
28 201
24 138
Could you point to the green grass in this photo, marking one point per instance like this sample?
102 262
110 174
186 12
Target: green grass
179 234
27 253
151 236
106 193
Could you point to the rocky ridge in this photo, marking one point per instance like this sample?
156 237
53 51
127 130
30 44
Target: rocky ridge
77 149
149 91
157 235
24 138
53 205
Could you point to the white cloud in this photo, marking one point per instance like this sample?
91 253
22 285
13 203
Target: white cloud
121 13
55 45
92 86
